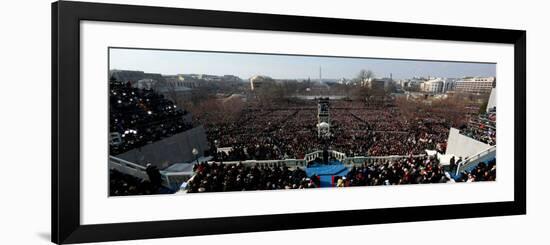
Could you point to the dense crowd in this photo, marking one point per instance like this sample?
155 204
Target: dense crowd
422 170
482 127
482 172
237 177
405 171
216 177
140 116
126 185
121 184
280 131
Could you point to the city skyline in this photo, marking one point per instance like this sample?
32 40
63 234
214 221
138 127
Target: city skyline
281 66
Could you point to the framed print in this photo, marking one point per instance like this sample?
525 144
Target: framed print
177 122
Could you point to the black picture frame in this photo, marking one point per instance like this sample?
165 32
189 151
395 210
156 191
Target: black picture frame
66 18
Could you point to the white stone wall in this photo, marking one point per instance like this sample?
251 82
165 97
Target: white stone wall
492 99
463 146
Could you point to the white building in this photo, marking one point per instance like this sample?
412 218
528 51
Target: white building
433 85
437 85
414 82
146 83
475 84
377 83
449 84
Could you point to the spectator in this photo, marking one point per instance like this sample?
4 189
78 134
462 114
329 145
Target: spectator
237 177
141 116
154 175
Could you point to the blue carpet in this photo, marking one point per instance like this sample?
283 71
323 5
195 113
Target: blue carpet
326 180
325 172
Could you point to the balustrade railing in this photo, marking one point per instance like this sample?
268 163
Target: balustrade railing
474 159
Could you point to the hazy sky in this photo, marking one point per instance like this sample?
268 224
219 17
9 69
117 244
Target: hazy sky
168 62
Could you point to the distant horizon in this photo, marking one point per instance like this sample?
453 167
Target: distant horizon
298 78
287 66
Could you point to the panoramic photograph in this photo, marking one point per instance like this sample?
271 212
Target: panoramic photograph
185 122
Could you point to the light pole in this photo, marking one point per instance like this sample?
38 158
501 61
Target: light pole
195 154
220 156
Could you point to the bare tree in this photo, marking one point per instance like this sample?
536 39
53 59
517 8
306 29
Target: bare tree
364 75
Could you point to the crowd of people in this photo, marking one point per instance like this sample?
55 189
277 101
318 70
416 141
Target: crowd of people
121 184
482 127
482 172
410 170
217 177
140 116
282 131
287 129
421 170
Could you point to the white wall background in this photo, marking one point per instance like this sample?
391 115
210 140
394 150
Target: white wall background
25 124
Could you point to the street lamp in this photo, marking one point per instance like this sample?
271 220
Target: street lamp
218 154
195 154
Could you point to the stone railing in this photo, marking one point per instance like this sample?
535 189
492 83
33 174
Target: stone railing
484 155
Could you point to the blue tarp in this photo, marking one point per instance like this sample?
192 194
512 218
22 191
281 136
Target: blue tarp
325 172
